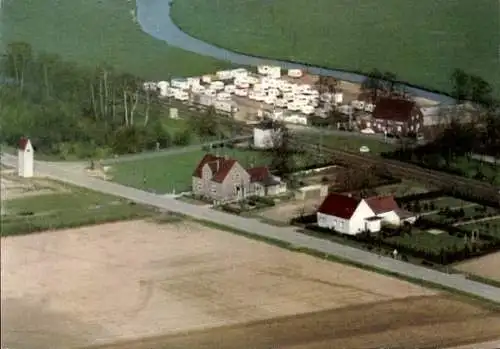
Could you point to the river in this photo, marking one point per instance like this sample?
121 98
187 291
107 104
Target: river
154 18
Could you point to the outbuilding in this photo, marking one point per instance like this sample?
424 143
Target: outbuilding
25 155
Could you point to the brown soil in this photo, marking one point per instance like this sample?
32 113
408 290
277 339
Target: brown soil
123 281
487 266
426 322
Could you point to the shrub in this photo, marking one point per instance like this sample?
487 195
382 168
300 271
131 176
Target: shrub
231 209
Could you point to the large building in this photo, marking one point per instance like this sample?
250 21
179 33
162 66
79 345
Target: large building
397 117
224 180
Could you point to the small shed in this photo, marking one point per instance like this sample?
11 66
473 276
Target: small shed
25 154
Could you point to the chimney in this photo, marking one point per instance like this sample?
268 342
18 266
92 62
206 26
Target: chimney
217 164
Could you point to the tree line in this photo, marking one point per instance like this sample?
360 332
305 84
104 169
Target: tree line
68 109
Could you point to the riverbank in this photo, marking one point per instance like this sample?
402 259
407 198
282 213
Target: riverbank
154 18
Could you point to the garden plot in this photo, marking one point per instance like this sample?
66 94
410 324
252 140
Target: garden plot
136 279
432 241
489 225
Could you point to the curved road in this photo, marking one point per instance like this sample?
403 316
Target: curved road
255 227
154 19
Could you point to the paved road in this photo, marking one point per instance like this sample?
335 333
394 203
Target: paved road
288 234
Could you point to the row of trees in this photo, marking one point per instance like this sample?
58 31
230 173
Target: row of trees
84 111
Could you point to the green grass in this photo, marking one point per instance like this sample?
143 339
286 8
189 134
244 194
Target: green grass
174 171
471 168
92 32
353 143
421 41
491 227
70 208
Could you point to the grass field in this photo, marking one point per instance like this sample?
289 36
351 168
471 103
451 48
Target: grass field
38 204
95 32
353 143
164 174
421 41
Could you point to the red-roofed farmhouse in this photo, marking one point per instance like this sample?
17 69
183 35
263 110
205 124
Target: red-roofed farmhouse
224 179
349 215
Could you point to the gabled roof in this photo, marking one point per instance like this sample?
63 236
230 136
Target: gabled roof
23 143
393 109
219 165
258 174
382 204
225 166
206 159
339 205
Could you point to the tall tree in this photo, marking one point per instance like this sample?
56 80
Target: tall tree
460 84
373 83
19 55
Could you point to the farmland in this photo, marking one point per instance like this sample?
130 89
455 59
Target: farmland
486 266
356 35
185 285
33 205
96 33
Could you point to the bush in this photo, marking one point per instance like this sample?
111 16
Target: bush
231 209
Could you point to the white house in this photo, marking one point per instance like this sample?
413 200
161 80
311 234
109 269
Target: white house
265 135
349 215
25 154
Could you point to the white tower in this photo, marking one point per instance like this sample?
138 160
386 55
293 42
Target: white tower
25 158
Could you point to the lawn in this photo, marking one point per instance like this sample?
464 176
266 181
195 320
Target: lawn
95 32
69 208
351 142
472 168
174 171
421 41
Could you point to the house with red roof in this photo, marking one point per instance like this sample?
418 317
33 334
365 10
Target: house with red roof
397 116
224 179
349 215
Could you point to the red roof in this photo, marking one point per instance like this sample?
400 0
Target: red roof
23 143
219 165
393 109
258 174
382 204
339 205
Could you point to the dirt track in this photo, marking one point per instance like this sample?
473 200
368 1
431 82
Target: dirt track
97 285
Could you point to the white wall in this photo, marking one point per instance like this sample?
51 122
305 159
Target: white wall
374 225
263 138
330 222
25 162
390 217
358 224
